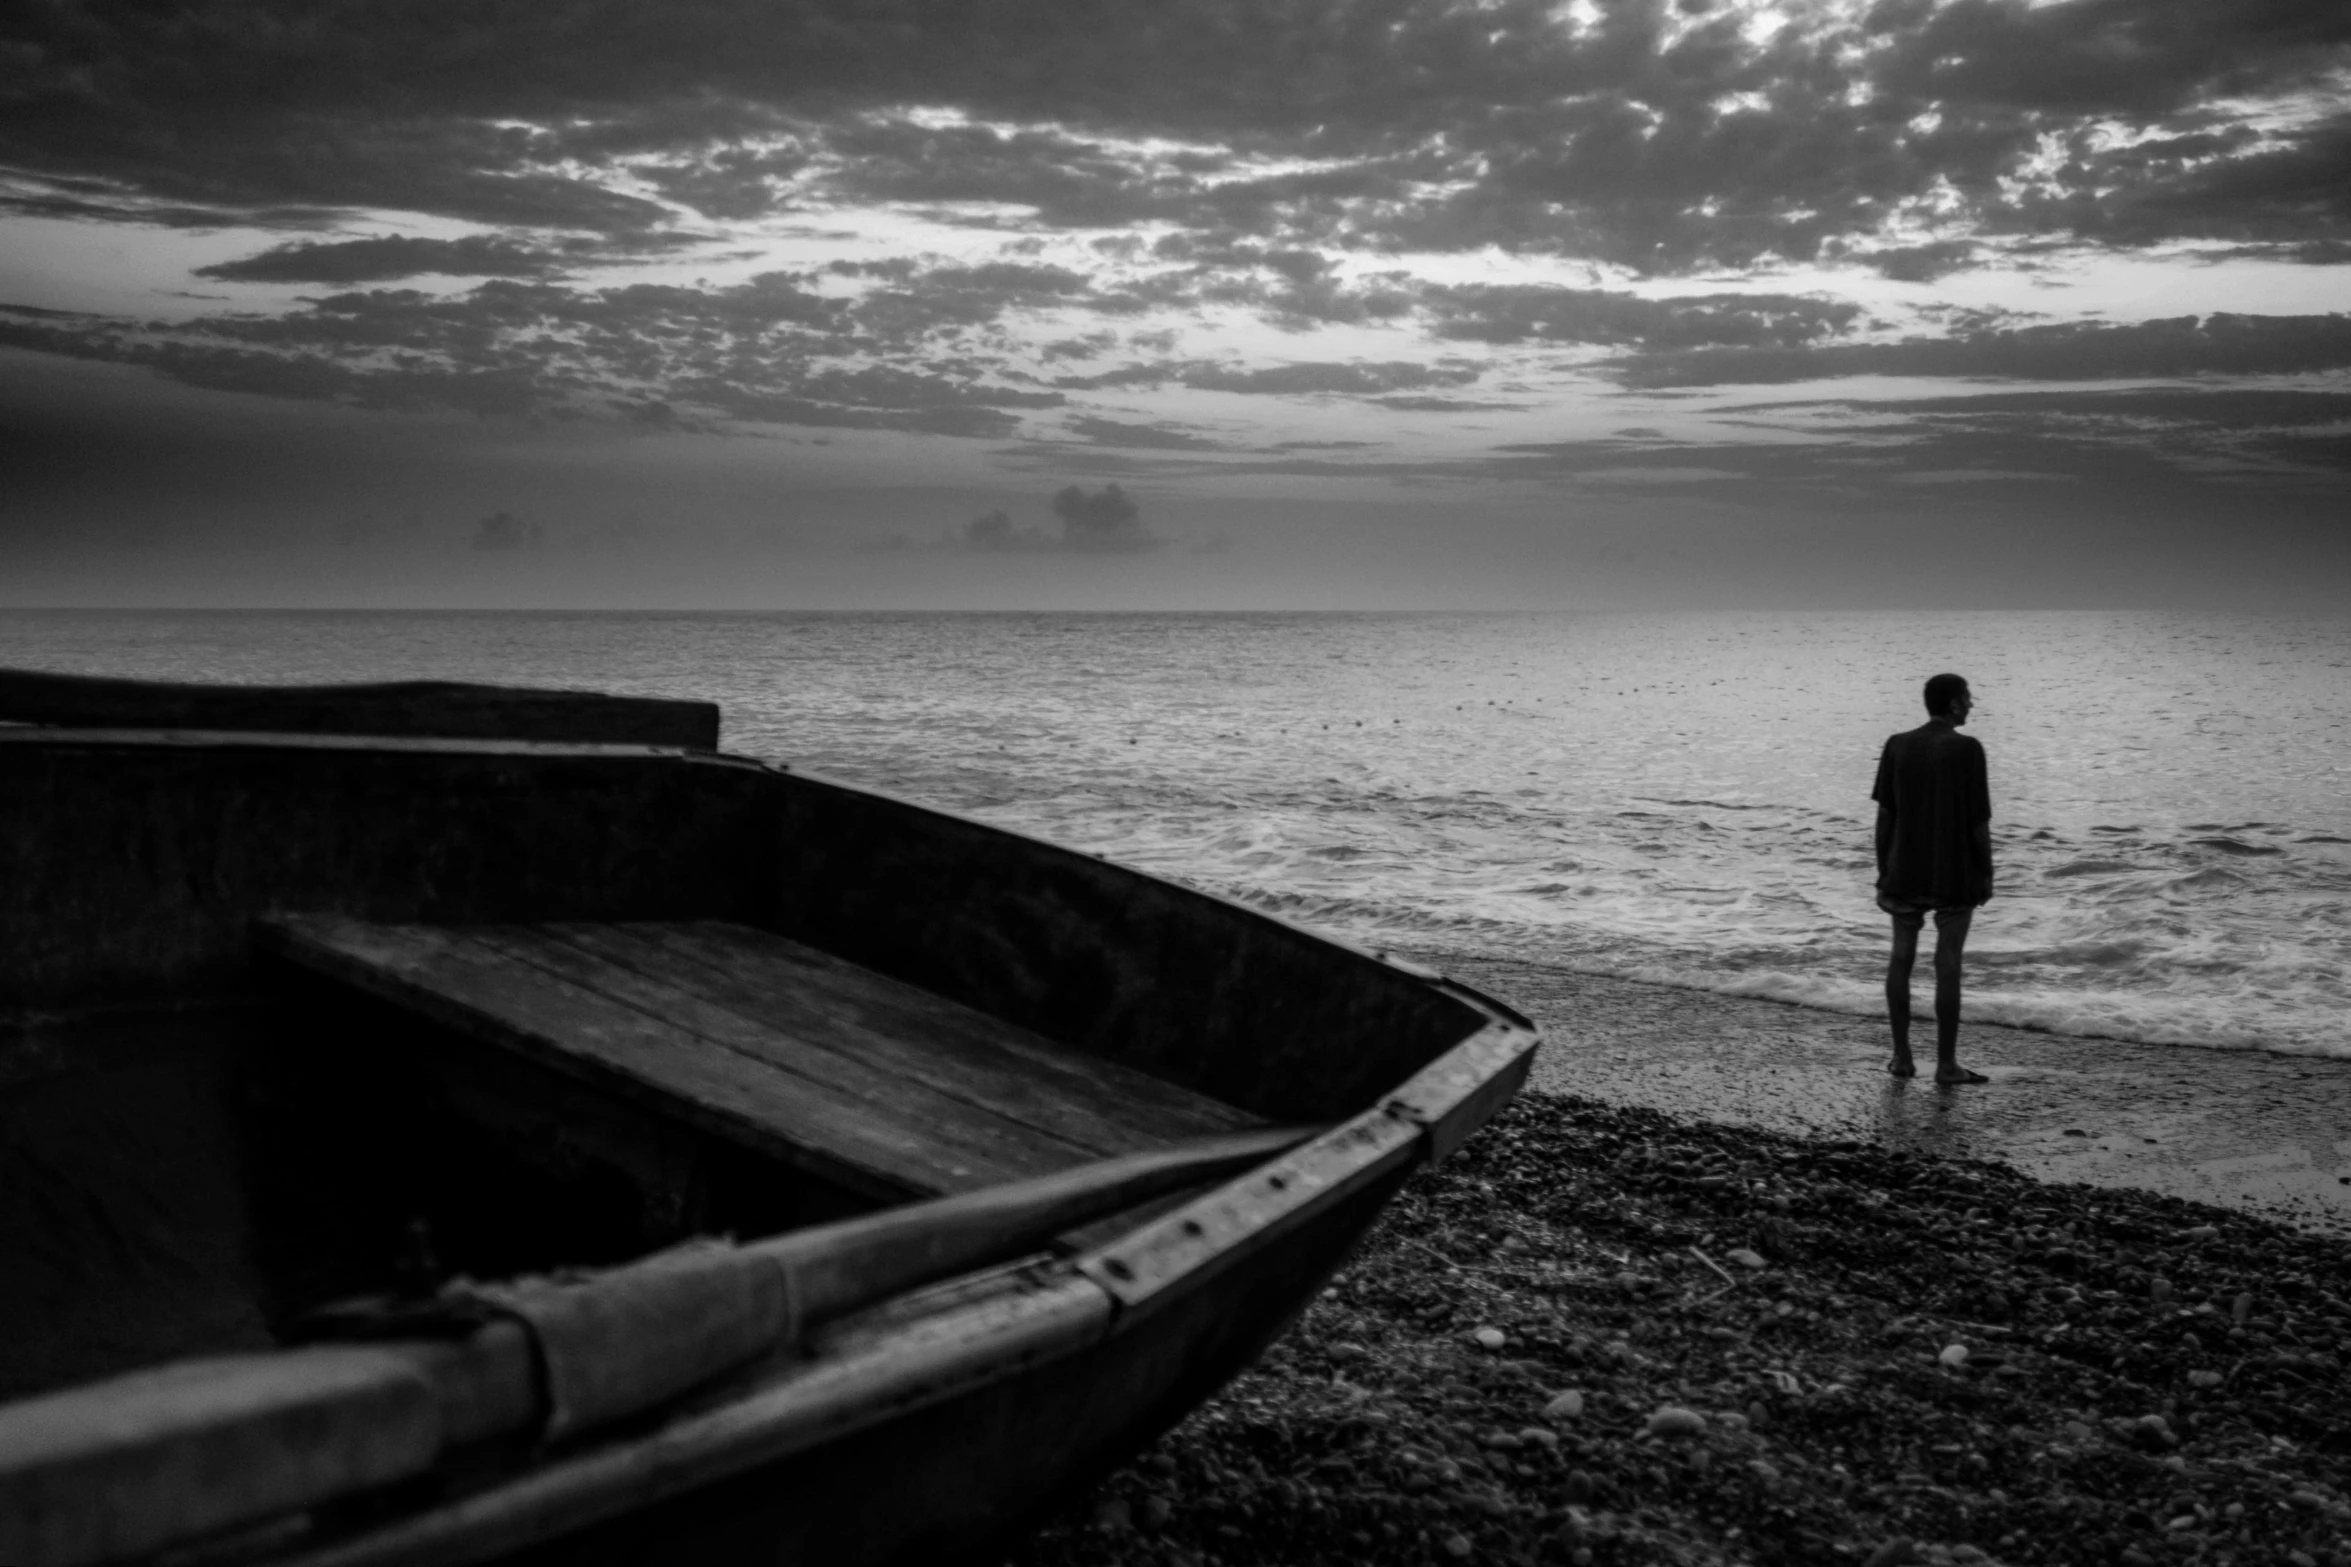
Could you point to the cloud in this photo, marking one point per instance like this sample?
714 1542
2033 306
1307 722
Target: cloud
1442 405
2159 445
1920 263
2138 441
1356 380
1153 437
1518 313
1663 138
1129 185
394 256
503 531
1092 522
1285 380
1104 521
2184 345
2138 58
2214 430
769 350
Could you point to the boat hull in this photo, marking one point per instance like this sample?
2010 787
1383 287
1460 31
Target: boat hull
953 1479
137 867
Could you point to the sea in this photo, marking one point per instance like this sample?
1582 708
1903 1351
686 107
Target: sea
1681 798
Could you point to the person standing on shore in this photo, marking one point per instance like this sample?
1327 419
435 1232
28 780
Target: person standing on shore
1934 842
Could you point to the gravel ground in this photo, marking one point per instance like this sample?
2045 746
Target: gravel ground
1600 1334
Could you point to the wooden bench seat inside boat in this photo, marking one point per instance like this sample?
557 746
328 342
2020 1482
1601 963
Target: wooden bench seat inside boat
862 1080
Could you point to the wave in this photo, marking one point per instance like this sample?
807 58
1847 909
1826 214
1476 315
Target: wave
1709 805
2208 1023
2236 846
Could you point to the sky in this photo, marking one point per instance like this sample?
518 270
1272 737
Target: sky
1391 303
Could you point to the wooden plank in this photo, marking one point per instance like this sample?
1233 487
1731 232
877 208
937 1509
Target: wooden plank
1001 1345
805 1054
122 1468
490 996
797 990
445 708
1088 953
132 866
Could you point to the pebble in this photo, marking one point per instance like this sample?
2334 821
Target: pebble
1490 1340
1115 1516
1953 1355
1673 1420
1745 1258
1457 1546
2085 1336
2159 1288
1894 1553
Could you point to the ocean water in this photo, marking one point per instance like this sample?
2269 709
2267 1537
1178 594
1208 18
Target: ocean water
1672 797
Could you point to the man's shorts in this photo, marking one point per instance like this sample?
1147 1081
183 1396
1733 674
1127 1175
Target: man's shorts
1911 911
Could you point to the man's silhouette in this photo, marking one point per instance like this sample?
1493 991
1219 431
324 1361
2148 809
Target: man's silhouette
1934 843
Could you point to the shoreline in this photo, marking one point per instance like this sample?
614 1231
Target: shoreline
2261 1133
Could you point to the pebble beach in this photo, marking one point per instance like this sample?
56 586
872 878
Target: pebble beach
1714 1290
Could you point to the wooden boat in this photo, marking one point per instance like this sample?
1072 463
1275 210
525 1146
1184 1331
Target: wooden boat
1023 1153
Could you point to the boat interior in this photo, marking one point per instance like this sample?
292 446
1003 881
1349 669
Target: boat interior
293 1020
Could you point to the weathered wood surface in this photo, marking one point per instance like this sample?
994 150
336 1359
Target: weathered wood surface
827 1003
148 1460
914 1439
131 867
161 1457
844 1073
444 708
1286 1024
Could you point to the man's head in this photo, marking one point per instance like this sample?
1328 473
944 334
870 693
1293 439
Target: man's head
1947 697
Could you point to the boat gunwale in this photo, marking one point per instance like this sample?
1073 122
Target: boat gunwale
433 707
1084 1301
186 737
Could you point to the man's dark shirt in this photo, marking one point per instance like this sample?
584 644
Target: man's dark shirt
1932 778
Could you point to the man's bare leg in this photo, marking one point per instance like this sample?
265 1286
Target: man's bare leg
1950 942
1898 992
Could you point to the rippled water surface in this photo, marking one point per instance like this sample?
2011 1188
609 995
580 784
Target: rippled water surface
1672 797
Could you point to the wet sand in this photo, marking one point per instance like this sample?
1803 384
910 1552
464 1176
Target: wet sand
2262 1133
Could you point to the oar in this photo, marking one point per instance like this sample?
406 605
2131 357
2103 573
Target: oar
160 1457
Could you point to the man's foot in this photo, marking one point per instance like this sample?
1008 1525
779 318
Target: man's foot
1902 1065
1953 1075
